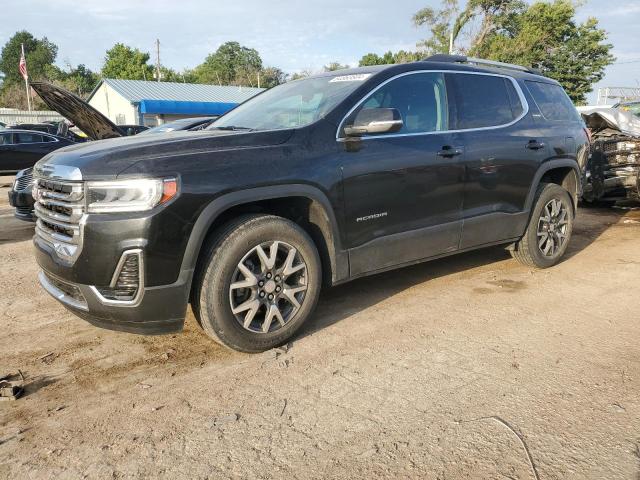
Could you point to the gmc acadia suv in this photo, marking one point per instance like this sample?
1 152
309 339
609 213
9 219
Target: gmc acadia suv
317 181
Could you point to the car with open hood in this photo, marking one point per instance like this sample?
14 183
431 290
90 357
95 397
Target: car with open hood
314 182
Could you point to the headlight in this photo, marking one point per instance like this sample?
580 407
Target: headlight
137 195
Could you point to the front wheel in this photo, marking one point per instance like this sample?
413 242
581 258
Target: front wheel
258 284
547 236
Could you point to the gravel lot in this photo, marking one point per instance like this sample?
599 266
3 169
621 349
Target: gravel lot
468 367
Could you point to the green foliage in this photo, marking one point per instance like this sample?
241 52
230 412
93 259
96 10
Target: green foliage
333 66
40 55
301 74
546 36
171 75
439 23
79 80
127 63
271 77
389 58
231 64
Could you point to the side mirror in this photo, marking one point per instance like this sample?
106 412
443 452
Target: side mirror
374 121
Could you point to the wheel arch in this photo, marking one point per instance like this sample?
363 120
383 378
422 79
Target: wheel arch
563 172
304 204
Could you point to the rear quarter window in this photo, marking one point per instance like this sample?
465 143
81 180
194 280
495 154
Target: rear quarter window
554 104
484 101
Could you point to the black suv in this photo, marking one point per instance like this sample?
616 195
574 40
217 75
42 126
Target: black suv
317 181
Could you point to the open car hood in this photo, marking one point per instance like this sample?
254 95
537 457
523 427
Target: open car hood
609 121
77 111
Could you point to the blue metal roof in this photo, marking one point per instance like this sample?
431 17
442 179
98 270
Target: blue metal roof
137 90
185 108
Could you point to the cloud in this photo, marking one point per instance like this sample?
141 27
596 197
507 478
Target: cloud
290 34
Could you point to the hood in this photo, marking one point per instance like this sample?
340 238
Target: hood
109 158
77 111
608 121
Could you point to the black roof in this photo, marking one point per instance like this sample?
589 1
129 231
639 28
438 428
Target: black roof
440 63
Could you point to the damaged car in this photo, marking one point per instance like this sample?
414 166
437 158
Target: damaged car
613 169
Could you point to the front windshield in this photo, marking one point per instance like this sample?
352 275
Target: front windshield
633 108
165 127
291 105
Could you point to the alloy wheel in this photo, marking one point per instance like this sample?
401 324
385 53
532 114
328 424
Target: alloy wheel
268 287
553 227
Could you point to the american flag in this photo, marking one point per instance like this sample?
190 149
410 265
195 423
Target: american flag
23 67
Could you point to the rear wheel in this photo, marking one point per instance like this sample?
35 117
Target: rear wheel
547 236
260 282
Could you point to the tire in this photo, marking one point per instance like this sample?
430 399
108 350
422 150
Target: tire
530 249
240 265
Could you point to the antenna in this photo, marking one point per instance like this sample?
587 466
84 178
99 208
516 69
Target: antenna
158 73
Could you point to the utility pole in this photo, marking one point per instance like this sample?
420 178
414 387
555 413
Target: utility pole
451 43
158 74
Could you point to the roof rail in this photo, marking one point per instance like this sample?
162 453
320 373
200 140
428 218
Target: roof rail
441 57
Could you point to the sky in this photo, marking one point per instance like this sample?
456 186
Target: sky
292 35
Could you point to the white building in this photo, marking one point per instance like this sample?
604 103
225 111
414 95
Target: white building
130 102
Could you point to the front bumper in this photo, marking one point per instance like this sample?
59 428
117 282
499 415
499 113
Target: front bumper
23 202
160 310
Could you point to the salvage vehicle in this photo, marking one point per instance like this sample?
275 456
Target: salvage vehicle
613 168
317 181
20 149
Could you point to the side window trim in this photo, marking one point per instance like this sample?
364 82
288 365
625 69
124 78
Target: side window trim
516 85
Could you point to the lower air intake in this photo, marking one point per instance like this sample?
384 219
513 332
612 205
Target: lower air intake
126 285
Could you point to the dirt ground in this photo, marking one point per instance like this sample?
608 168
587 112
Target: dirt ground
468 367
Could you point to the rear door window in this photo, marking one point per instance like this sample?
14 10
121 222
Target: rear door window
554 104
484 101
5 139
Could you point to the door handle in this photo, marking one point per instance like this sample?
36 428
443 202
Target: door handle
535 145
449 152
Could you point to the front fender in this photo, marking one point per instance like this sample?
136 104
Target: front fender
202 227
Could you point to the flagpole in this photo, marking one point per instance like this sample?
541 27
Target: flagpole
26 81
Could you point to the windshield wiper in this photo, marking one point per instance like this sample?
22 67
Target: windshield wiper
233 128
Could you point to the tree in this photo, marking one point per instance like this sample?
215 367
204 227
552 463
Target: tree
543 35
333 66
231 64
124 62
271 77
40 55
79 80
389 58
301 74
546 36
439 22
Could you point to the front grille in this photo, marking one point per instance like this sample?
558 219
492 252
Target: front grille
23 182
621 151
60 208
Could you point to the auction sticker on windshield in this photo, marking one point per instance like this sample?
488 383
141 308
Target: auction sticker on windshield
359 77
